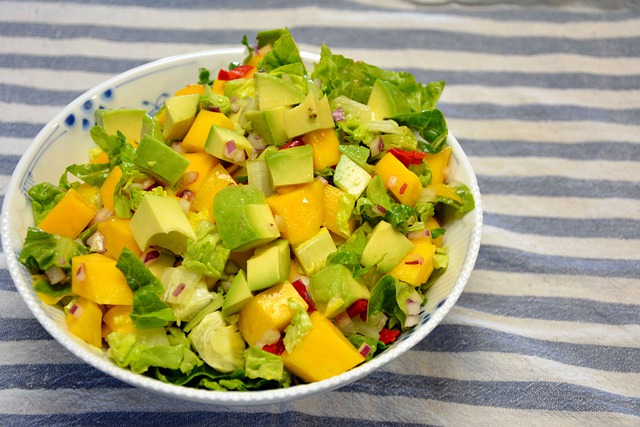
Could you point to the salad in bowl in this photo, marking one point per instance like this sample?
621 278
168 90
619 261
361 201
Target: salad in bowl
261 227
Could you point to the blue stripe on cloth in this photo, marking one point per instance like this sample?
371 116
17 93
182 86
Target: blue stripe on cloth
6 282
69 62
8 164
573 151
20 130
605 228
497 258
553 308
539 113
338 37
464 339
56 376
22 329
195 418
34 96
558 186
554 396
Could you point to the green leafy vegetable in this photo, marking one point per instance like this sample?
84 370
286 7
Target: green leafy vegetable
57 291
91 173
262 364
44 197
430 124
298 328
284 51
207 255
42 250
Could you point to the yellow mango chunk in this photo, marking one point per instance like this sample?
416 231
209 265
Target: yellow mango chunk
268 311
117 236
323 353
86 321
218 87
417 266
443 190
432 224
90 193
99 280
100 158
196 137
298 213
70 216
109 187
200 163
190 89
217 179
117 319
333 199
438 165
404 184
325 147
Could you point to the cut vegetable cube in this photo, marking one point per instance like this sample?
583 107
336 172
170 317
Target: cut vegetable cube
196 137
217 179
96 278
117 236
417 266
325 145
298 213
118 320
200 166
336 212
69 216
404 184
84 320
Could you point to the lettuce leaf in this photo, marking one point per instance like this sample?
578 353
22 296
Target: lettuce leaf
283 52
396 214
91 173
430 125
207 255
298 328
149 311
206 377
42 250
262 364
350 253
44 197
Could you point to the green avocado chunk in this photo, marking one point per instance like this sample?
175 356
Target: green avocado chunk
270 265
237 295
310 115
269 124
291 166
244 218
180 112
128 121
160 161
385 248
312 254
387 101
272 92
333 289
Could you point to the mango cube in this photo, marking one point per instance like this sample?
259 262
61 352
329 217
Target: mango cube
417 266
217 179
117 236
109 187
118 319
201 164
325 145
196 137
69 216
84 320
298 212
323 353
96 278
190 90
438 165
404 184
336 211
268 311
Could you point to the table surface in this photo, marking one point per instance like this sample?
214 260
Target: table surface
545 100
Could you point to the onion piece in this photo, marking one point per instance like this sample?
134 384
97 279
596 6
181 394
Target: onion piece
102 215
187 195
364 349
417 260
322 179
338 115
413 307
376 146
190 177
379 210
97 243
55 274
184 204
177 147
411 320
76 311
270 336
149 184
418 234
151 256
178 290
81 272
345 324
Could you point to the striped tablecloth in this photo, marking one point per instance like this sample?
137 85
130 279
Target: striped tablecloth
544 100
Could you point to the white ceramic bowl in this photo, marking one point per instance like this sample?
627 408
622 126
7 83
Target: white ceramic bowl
65 140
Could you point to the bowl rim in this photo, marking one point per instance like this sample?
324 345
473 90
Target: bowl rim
231 398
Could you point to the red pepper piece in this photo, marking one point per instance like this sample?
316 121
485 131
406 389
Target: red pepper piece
304 293
358 308
295 142
387 336
408 157
276 348
237 73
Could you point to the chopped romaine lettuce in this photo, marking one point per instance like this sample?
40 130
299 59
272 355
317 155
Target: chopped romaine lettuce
42 250
44 197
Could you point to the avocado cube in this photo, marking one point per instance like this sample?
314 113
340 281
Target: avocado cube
333 289
272 92
385 248
243 217
218 140
291 166
160 221
180 112
270 265
310 115
350 177
387 101
312 254
160 161
128 121
237 295
269 124
258 175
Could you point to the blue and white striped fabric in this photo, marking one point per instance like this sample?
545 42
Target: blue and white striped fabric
544 100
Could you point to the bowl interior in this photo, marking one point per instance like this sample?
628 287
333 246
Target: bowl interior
65 140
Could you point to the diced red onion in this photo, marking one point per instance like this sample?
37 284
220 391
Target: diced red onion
150 256
61 261
376 146
403 188
185 205
149 184
177 147
101 215
419 234
257 142
81 272
178 290
364 349
191 177
187 195
413 307
97 243
322 179
55 274
379 210
345 324
270 336
230 147
338 115
76 311
392 181
214 109
418 260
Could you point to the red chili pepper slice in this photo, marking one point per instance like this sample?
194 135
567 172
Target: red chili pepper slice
408 157
295 142
304 293
358 308
276 348
237 73
387 336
